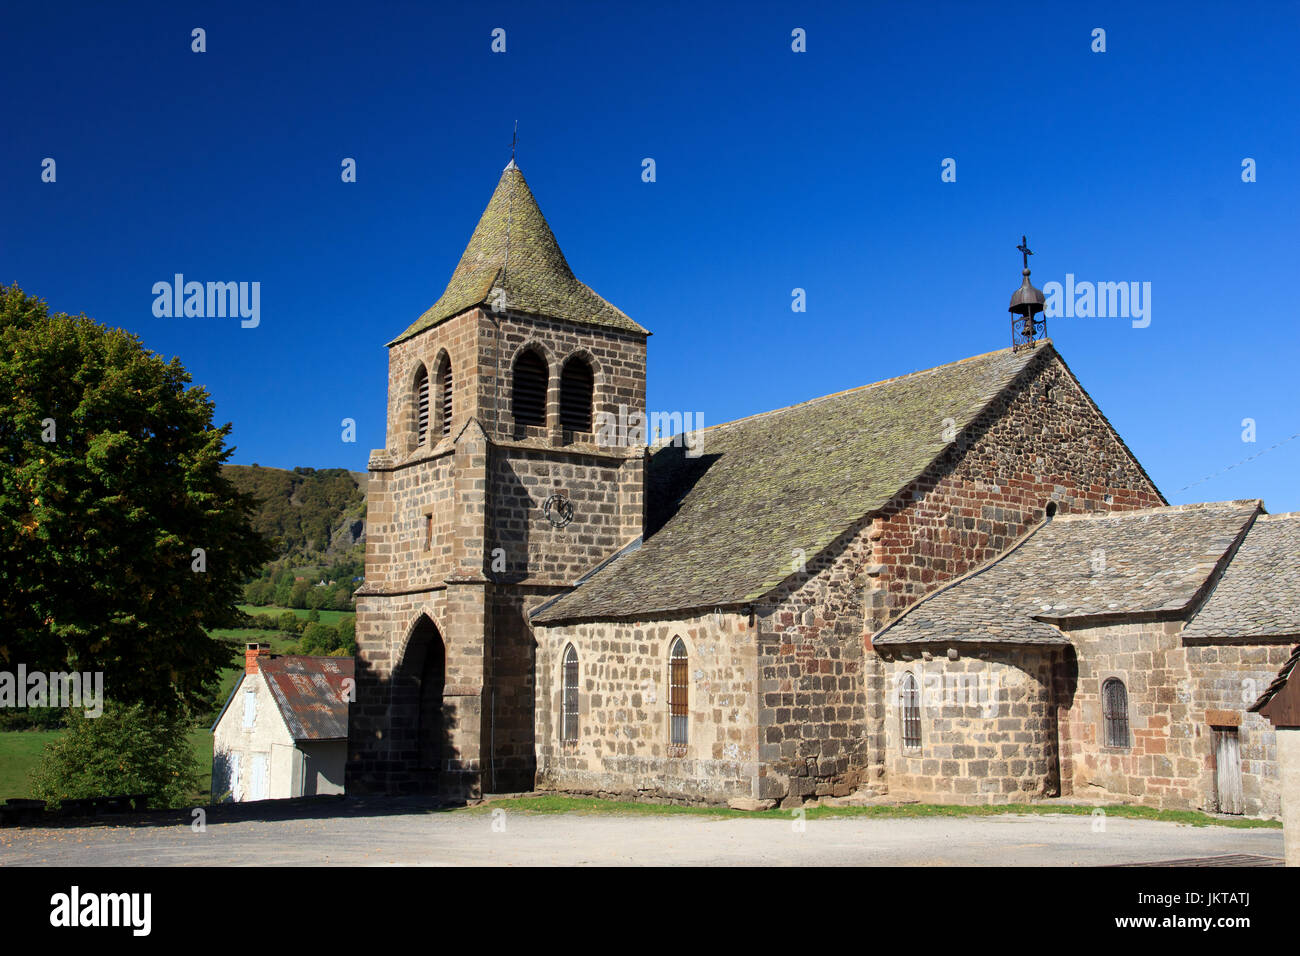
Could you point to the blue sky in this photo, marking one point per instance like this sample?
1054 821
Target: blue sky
775 170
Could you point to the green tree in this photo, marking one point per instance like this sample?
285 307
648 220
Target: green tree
128 749
258 593
298 597
319 638
347 631
110 479
283 593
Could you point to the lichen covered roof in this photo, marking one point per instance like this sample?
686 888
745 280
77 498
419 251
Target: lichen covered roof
1259 593
310 694
1151 561
728 526
537 278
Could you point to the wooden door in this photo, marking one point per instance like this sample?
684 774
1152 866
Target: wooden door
259 788
1227 772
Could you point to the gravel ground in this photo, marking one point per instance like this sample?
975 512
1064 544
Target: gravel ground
483 837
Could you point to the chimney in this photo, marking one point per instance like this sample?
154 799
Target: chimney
252 652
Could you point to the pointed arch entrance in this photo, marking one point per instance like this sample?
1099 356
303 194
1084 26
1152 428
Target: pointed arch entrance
418 701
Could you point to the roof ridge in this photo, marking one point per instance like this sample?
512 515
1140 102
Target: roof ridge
1233 504
1287 515
850 391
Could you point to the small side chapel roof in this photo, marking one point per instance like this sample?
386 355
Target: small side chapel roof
1151 561
771 487
1259 594
537 277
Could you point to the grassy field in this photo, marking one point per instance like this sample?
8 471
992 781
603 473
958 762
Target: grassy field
326 617
20 752
557 804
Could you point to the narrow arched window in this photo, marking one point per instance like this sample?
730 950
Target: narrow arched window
577 384
422 405
909 711
444 395
570 729
1114 710
529 398
678 688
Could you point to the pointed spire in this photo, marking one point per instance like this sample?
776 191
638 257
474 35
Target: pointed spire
534 277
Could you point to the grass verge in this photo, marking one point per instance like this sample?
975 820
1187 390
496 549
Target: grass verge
557 804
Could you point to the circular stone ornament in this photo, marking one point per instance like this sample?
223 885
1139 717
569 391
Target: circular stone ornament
558 510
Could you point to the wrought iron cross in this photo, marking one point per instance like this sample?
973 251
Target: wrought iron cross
1025 251
513 140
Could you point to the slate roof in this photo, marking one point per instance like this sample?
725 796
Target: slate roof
1278 682
538 279
1259 593
309 692
723 527
1152 561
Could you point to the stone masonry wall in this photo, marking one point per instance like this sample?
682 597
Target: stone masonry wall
607 509
988 725
1043 441
622 745
455 531
400 553
812 706
482 347
1176 693
382 741
1226 679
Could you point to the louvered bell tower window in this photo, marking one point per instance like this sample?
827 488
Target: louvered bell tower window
576 387
529 399
422 405
444 395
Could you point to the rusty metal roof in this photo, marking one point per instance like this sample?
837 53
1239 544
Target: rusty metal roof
310 693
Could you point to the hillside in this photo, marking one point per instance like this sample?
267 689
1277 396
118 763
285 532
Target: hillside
314 515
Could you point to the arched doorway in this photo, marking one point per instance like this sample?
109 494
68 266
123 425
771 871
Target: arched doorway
424 671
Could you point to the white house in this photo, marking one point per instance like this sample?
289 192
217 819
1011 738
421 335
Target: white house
284 730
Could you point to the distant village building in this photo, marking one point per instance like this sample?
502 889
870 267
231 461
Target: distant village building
958 585
283 731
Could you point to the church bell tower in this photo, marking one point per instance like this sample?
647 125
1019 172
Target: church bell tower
504 478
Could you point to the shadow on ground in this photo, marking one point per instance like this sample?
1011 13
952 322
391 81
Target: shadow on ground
297 808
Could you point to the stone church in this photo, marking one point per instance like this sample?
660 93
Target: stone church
957 585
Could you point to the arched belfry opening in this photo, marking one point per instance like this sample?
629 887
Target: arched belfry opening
418 700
